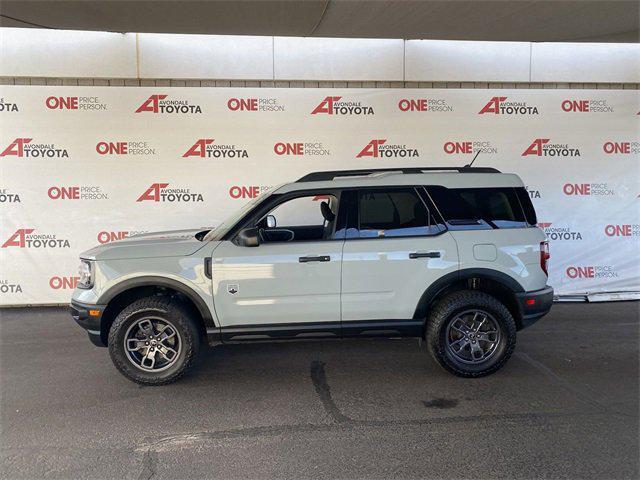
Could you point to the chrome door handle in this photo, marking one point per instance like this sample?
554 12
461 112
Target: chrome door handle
425 255
320 258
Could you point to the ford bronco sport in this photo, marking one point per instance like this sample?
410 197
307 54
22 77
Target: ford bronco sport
451 255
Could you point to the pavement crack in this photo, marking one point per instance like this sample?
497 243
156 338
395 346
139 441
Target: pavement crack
188 440
149 463
319 379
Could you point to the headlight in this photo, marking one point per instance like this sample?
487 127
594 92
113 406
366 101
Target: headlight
86 279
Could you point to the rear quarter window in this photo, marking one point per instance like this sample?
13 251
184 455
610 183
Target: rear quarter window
483 208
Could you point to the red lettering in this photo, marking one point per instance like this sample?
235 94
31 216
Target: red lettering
617 147
458 147
577 189
575 105
17 239
326 106
493 106
536 147
282 148
199 148
112 148
16 147
371 149
153 192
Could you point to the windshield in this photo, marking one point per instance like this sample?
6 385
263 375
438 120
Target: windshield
218 232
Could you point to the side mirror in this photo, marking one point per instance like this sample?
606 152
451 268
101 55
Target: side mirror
271 221
248 237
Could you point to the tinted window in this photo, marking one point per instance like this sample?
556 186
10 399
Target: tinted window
393 213
527 206
479 208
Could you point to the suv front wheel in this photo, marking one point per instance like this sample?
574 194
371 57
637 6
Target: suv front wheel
470 333
153 341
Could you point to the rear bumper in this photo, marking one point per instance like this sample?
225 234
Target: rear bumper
89 317
534 305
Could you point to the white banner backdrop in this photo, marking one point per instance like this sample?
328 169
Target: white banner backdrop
87 165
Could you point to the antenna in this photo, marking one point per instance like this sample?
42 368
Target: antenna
474 159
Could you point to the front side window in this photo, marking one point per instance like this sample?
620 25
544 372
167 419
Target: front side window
306 218
393 213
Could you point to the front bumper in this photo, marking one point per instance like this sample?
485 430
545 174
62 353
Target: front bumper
534 305
89 317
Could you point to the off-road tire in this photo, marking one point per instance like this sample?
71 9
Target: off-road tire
171 312
452 305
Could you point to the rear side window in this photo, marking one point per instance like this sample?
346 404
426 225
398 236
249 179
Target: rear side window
481 208
393 213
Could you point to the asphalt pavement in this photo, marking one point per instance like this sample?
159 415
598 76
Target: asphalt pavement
565 406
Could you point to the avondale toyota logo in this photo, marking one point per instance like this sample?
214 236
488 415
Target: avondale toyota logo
7 196
6 106
380 149
337 106
160 104
25 238
206 148
559 233
500 106
24 148
159 192
7 287
542 148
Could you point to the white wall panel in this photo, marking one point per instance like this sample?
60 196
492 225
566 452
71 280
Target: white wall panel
31 52
206 56
585 62
338 59
459 61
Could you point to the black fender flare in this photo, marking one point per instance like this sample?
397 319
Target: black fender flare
151 281
453 277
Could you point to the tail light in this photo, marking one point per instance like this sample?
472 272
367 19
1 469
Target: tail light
544 257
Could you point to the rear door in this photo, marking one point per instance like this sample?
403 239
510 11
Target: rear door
395 248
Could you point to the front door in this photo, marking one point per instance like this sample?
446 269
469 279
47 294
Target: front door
289 285
395 249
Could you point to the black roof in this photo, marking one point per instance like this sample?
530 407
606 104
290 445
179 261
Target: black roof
331 174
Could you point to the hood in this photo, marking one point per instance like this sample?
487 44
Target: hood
171 243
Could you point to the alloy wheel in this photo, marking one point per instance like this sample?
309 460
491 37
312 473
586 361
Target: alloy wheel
472 336
152 344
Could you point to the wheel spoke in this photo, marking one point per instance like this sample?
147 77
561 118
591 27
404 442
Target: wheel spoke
146 326
134 344
458 329
166 334
148 360
484 319
168 353
462 342
476 352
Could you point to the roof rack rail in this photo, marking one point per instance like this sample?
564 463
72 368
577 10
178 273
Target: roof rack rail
331 174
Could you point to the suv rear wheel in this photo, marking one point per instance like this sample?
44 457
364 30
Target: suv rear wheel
153 341
470 333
